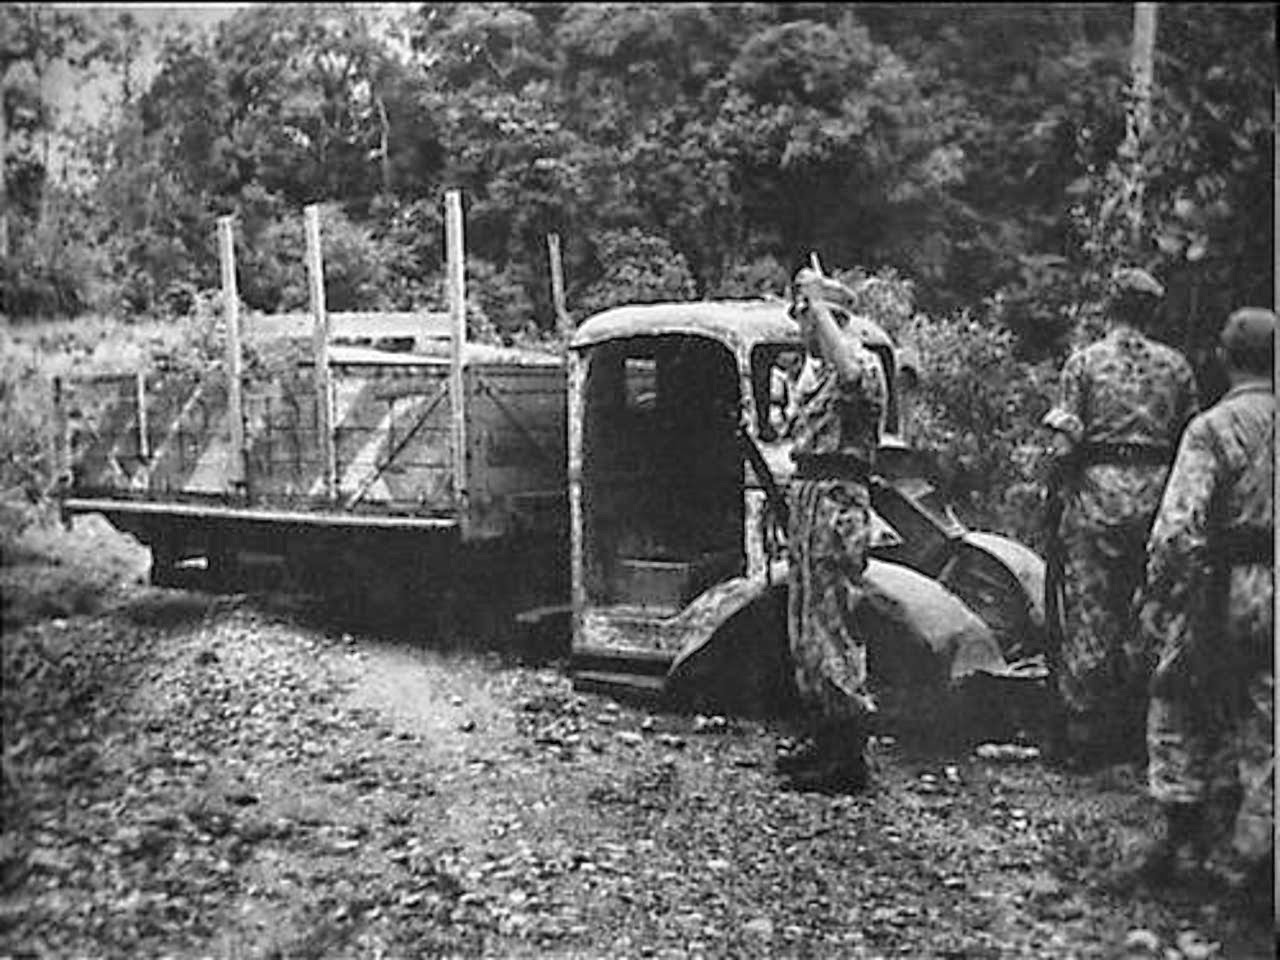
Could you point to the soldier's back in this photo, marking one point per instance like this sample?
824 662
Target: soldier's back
1242 428
1140 392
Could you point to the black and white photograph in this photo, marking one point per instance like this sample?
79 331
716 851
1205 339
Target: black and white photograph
600 481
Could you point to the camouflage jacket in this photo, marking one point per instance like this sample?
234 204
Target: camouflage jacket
835 415
1126 388
1221 481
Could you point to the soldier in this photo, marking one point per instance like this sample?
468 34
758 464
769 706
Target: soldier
836 435
1208 611
1122 404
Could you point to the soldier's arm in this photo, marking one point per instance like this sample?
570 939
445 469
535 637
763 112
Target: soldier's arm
837 350
1174 595
1189 395
1177 550
858 372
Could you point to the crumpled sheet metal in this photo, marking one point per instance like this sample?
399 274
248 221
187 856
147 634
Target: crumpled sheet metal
918 634
904 614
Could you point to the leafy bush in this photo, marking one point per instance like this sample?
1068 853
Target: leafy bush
752 278
153 271
411 236
636 267
978 409
26 427
37 282
883 296
499 308
1045 305
498 300
273 270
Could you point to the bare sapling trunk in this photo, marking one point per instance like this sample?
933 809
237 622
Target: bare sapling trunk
1139 120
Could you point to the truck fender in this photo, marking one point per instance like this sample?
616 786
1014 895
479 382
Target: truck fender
1002 581
735 658
918 633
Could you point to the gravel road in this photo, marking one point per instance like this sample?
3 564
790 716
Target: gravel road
235 777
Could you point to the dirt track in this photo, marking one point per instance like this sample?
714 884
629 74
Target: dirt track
197 776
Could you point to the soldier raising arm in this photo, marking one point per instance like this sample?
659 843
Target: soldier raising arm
836 435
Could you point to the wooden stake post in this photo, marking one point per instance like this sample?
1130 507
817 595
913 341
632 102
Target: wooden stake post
236 473
140 399
574 374
564 324
456 267
61 438
324 385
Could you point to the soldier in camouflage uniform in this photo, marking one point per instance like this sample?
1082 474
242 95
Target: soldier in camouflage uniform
1208 611
836 434
1122 404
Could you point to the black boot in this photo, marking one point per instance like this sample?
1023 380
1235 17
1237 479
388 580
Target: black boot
814 752
837 764
810 754
831 778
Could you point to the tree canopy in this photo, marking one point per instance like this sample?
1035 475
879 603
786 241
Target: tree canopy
685 150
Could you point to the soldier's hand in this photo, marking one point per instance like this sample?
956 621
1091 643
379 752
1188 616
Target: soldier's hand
813 286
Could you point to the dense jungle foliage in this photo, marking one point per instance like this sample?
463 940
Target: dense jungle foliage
973 157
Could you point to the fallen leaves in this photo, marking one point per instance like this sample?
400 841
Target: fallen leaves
189 776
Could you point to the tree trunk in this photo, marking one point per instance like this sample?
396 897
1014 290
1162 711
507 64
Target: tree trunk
1143 67
384 144
37 68
4 189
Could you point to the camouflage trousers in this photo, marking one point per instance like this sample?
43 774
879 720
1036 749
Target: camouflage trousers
829 536
1211 733
1099 674
1198 755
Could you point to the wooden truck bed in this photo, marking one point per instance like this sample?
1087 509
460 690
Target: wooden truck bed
152 441
376 459
357 418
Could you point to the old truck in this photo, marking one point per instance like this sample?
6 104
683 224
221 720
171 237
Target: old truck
370 457
678 465
636 486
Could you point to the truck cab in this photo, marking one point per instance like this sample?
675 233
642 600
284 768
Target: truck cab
679 459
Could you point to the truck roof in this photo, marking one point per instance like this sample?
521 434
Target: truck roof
735 323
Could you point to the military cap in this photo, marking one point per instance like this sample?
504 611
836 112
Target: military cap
1250 330
1135 280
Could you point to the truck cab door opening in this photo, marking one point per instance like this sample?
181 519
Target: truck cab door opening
662 471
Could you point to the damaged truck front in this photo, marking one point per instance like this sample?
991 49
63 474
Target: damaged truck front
679 461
